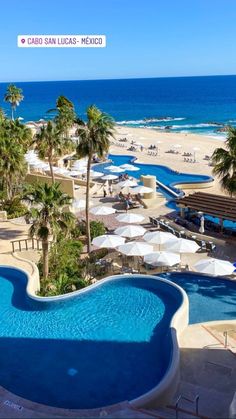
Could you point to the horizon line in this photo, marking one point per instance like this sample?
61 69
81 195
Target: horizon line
120 78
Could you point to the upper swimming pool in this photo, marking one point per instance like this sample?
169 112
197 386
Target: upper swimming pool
164 174
100 347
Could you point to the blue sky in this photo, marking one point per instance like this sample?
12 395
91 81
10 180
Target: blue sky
145 38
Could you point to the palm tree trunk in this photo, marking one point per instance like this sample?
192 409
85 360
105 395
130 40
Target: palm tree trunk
87 205
12 113
51 170
45 259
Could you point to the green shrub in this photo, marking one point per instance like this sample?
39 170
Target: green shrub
97 228
97 254
64 258
14 208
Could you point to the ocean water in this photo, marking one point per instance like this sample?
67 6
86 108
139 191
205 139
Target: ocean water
185 104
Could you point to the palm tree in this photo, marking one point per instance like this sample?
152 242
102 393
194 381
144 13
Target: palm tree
12 164
14 96
224 161
18 133
49 143
49 216
66 116
94 138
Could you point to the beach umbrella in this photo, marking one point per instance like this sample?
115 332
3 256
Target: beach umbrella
135 249
162 259
177 145
130 231
110 177
94 174
182 246
114 168
117 170
102 210
159 237
80 204
127 183
74 173
214 267
108 241
141 189
130 218
129 167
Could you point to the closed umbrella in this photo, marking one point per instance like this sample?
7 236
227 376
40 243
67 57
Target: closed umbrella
142 189
109 241
202 225
214 267
130 218
130 231
135 249
159 237
102 210
162 259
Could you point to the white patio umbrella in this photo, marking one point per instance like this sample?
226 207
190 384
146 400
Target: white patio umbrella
102 210
130 218
127 183
94 173
159 237
182 246
129 167
117 170
162 259
80 204
108 241
110 177
130 231
214 267
142 189
114 168
135 249
74 173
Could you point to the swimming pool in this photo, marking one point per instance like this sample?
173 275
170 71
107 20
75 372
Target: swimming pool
164 174
209 298
108 344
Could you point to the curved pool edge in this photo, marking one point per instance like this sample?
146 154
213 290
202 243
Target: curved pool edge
207 182
164 390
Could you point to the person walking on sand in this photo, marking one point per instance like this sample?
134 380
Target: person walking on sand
104 191
110 189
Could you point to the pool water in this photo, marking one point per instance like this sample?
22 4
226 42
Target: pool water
101 347
164 174
210 298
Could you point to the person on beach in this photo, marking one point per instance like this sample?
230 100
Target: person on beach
104 191
110 189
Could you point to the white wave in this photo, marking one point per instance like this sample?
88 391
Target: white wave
149 120
201 125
